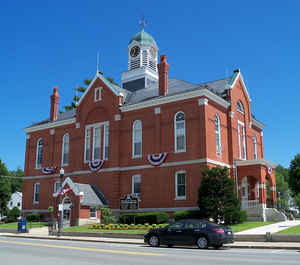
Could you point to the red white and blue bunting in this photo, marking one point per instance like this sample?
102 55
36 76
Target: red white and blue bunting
64 191
96 164
269 170
157 159
49 170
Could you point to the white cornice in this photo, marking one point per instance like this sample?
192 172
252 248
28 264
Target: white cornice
256 162
49 125
258 124
177 97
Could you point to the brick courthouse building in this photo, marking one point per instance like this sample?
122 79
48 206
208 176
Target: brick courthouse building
151 137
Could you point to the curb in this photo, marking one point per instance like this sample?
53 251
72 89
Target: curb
142 243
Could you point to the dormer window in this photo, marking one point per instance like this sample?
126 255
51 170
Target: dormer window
98 94
240 107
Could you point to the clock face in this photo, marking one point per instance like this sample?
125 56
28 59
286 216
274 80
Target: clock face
134 51
153 53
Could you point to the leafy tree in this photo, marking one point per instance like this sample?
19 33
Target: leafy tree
294 175
107 216
5 188
217 199
282 186
17 180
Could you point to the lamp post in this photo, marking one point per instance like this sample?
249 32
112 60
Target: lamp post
60 208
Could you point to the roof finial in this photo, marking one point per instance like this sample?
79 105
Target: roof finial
97 66
143 22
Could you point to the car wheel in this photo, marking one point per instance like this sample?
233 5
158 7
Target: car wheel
202 242
218 246
154 241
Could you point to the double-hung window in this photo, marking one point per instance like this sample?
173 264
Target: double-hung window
136 185
255 147
65 150
93 213
56 186
242 140
218 135
180 185
137 139
96 142
39 153
179 132
36 193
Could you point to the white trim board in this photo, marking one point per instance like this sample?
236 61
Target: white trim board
141 167
49 125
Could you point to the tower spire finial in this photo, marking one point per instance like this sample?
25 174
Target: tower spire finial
97 66
143 22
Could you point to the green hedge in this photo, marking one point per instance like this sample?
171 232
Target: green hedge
187 215
142 218
34 217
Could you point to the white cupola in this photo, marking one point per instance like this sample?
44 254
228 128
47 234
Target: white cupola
142 62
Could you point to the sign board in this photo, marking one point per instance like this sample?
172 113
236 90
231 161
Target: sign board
129 202
60 207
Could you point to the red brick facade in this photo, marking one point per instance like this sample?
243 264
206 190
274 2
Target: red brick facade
158 183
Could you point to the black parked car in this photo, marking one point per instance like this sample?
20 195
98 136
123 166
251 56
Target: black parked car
190 232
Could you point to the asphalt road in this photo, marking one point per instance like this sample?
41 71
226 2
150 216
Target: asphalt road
54 252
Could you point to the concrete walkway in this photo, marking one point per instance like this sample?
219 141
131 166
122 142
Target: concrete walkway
272 228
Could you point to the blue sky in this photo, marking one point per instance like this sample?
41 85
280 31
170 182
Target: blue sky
54 43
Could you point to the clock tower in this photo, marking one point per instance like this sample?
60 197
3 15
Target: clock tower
142 62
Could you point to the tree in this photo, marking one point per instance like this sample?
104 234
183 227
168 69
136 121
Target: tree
217 199
282 186
17 180
5 188
294 175
107 216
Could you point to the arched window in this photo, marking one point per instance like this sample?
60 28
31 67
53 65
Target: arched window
39 153
98 94
179 132
137 139
255 147
218 135
65 150
240 107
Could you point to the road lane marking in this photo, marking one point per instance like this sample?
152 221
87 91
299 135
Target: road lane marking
83 249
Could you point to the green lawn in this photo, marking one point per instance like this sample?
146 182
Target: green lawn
29 225
235 228
248 225
291 230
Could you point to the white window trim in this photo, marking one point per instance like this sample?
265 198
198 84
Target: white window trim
218 136
242 140
34 192
100 94
105 143
91 126
85 144
176 180
54 185
95 213
63 150
93 153
132 184
240 102
133 136
175 134
255 147
37 152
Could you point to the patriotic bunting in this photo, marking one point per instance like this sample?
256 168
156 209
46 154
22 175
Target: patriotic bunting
96 165
269 170
64 191
49 170
157 159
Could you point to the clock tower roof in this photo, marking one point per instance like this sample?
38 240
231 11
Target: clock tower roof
143 37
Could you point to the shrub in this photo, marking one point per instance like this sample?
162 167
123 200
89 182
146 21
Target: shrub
186 215
142 218
12 215
106 216
34 217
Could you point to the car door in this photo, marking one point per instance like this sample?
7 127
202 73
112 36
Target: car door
174 233
190 231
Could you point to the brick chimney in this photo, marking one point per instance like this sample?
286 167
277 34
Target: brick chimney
163 68
54 105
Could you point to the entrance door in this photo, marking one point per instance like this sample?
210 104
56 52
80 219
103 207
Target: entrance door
244 192
66 212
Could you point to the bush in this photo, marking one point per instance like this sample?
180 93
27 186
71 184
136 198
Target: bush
142 218
107 216
12 215
34 217
179 215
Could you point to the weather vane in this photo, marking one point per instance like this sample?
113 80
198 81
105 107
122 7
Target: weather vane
143 22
